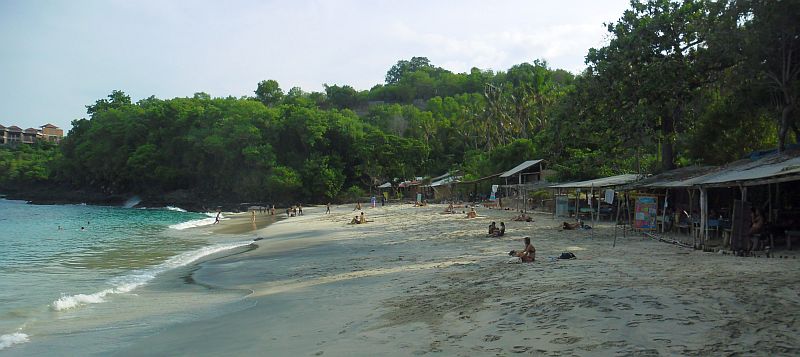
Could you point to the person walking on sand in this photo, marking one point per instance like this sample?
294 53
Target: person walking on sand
328 208
219 213
253 216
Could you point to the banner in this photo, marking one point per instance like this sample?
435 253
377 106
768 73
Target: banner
609 196
645 212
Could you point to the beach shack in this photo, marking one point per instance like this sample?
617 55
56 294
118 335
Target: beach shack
526 177
765 182
714 204
598 196
442 187
675 200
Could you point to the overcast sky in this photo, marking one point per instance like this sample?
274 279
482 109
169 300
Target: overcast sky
56 57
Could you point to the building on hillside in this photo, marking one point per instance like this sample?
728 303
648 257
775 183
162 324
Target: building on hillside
29 136
14 135
51 133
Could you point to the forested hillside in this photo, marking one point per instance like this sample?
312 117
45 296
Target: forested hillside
678 83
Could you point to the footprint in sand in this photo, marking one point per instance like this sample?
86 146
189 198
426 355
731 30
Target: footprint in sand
566 340
490 338
520 349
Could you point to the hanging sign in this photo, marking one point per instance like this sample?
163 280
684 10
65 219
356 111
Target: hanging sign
645 212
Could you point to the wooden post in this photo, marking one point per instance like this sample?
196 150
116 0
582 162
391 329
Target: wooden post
664 212
703 215
691 213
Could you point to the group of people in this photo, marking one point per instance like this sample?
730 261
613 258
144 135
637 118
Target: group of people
494 231
294 211
360 219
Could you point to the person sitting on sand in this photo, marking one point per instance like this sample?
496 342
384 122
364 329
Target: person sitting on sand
355 220
570 226
492 228
450 208
363 218
501 231
523 218
358 207
528 254
472 213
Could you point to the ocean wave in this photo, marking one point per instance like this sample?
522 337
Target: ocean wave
12 339
176 209
137 278
197 222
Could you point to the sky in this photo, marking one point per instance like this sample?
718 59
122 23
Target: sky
56 57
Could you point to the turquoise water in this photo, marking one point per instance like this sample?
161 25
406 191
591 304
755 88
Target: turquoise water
56 261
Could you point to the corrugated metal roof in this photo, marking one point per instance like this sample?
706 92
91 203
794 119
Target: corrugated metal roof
783 166
764 168
520 167
445 181
672 178
600 182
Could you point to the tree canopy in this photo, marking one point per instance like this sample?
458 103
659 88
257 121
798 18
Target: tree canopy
677 83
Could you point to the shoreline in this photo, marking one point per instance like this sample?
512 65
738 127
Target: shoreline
109 306
417 282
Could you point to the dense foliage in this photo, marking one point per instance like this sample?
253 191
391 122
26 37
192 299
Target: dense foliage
678 83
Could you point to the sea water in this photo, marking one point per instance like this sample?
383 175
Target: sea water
59 261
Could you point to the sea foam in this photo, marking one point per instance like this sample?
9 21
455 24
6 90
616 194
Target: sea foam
197 222
137 278
12 339
173 208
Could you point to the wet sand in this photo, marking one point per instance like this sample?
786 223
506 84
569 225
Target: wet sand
416 282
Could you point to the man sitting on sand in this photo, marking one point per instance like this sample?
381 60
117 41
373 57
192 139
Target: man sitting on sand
492 228
358 207
528 254
450 209
472 213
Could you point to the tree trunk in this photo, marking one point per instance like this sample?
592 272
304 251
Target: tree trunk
784 126
668 131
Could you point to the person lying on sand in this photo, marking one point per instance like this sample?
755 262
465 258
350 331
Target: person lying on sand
576 225
528 254
523 218
472 213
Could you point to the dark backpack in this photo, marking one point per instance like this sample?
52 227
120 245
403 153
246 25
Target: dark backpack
567 255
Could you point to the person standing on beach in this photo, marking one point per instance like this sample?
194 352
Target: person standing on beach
300 209
272 211
216 220
328 208
253 216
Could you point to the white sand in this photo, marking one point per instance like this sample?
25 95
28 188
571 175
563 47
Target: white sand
416 282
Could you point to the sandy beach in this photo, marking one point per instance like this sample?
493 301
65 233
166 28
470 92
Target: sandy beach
416 282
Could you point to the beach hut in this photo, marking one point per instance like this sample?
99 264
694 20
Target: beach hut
592 209
442 187
526 177
765 182
714 202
